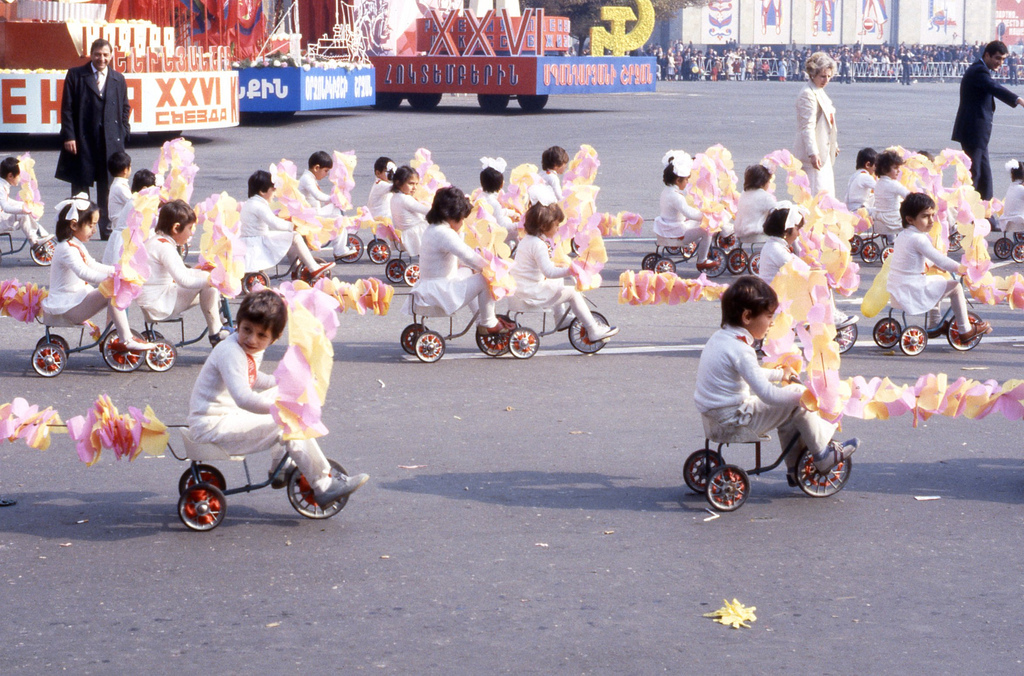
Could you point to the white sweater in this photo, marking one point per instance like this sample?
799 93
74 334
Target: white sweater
728 372
774 255
230 380
751 211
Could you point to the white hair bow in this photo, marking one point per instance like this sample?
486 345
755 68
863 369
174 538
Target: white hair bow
391 168
542 194
1012 164
79 203
681 162
158 180
496 163
795 215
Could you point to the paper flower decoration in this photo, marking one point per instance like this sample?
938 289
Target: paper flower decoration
797 183
304 374
176 170
342 179
653 288
29 192
480 230
497 273
734 614
21 301
292 206
431 177
19 420
365 295
582 169
127 436
221 249
590 259
132 270
712 187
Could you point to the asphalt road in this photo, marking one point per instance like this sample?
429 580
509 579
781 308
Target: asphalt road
540 523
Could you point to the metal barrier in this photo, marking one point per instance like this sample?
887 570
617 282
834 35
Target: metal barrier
860 71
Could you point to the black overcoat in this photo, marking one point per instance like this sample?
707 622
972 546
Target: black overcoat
82 114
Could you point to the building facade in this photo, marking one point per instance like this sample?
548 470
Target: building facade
849 22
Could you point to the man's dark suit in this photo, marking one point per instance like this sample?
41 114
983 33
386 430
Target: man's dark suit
973 126
99 125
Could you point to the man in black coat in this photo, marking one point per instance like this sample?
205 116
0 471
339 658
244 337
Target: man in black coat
973 126
94 124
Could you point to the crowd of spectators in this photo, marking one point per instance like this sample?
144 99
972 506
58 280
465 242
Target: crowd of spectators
903 63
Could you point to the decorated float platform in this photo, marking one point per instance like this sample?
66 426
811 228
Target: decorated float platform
500 54
172 88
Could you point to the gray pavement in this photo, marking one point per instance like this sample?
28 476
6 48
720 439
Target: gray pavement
545 527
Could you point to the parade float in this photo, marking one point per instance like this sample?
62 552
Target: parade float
498 53
173 85
291 73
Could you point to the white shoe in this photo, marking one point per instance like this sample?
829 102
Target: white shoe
842 319
834 454
339 488
138 346
602 334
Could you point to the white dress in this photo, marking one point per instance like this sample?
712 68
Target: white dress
1013 208
889 194
442 283
408 215
379 201
677 217
267 238
538 281
168 276
71 273
908 284
775 254
751 211
119 205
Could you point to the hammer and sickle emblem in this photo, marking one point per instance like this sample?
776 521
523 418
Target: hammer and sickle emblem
618 41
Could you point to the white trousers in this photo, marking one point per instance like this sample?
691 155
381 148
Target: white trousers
244 432
570 297
208 298
760 417
33 231
821 179
703 239
92 304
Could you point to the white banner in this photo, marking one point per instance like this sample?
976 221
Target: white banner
823 21
873 21
942 22
719 22
772 21
30 102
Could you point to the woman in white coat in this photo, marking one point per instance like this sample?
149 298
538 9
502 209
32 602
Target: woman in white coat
817 144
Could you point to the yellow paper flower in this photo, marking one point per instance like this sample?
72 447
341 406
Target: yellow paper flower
734 614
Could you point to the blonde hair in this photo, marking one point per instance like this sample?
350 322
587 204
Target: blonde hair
818 62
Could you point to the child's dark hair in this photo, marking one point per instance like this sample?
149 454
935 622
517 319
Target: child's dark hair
913 205
119 162
756 176
143 178
775 224
555 156
260 181
63 229
382 165
669 176
10 166
401 177
887 161
491 179
1017 173
539 218
450 204
265 309
866 156
747 293
927 155
321 158
175 211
